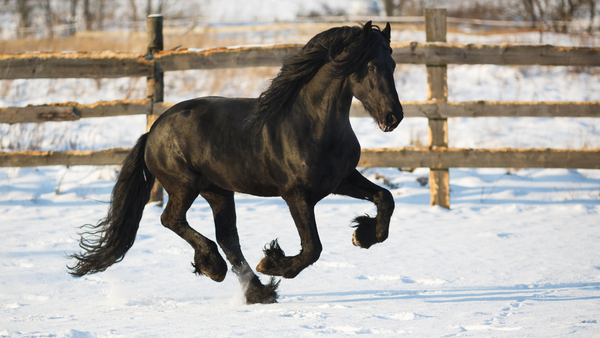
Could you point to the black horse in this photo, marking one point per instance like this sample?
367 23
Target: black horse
294 141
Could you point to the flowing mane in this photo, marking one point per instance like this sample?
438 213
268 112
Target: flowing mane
300 68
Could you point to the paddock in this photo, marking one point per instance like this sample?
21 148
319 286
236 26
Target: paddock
513 256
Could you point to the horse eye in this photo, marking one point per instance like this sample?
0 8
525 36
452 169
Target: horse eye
371 68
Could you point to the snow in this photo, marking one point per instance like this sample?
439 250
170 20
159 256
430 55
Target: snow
515 256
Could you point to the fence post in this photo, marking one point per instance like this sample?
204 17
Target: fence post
155 85
437 89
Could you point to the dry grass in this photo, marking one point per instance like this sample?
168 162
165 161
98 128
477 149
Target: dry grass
173 38
417 138
586 139
133 43
34 137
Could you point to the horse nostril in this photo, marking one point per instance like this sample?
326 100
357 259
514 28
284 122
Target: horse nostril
390 120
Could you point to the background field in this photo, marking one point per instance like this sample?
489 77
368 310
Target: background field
516 255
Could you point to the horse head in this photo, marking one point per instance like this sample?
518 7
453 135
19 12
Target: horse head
373 82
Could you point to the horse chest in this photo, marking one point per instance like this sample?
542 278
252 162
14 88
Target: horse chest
339 162
320 171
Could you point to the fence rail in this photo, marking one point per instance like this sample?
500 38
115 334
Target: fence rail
444 158
113 65
439 158
72 111
436 55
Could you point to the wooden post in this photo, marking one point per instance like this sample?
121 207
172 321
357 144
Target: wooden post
437 89
155 85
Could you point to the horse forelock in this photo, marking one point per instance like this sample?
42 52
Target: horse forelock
300 68
358 53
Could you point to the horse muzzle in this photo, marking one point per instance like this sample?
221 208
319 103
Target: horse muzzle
391 120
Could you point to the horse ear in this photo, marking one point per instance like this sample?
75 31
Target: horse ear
367 28
387 33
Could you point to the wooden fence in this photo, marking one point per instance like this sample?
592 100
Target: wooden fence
435 54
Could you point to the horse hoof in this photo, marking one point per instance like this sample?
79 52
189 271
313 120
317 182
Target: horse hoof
273 261
267 266
217 277
357 242
364 235
256 293
214 267
264 266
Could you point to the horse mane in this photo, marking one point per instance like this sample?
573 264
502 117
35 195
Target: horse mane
300 68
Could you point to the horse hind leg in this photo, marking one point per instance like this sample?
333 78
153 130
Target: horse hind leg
207 259
223 206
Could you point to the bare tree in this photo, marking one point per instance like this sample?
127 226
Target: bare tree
530 6
394 7
592 4
25 8
389 6
73 17
133 12
73 10
49 18
565 11
100 14
87 15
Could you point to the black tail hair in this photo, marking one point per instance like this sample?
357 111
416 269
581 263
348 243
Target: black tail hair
108 241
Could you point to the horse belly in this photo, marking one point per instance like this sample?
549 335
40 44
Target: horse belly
240 179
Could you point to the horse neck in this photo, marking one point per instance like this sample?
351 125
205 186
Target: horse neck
326 99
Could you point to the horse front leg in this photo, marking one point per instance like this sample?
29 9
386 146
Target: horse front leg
223 207
369 230
275 263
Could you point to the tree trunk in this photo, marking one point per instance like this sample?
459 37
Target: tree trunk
100 14
530 9
73 17
87 15
592 14
133 13
24 7
389 7
49 19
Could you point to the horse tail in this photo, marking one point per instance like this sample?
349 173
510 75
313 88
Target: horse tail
108 241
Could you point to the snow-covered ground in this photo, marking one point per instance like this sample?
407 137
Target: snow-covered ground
518 251
516 256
